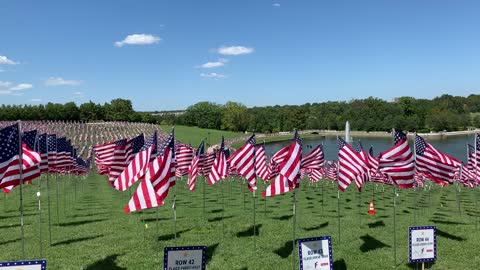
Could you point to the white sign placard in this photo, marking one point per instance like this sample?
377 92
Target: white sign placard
24 265
185 258
422 244
315 253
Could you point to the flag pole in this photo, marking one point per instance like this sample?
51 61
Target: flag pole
20 169
458 189
157 229
476 182
174 206
338 214
394 227
294 225
48 202
39 204
254 224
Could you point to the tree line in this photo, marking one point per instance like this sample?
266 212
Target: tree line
446 112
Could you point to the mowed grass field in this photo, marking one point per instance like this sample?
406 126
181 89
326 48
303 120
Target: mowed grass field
91 230
195 135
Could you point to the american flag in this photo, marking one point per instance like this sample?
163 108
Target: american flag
350 165
244 161
10 161
332 170
219 168
161 172
280 185
184 155
122 156
398 163
42 147
261 163
437 166
314 160
277 158
364 177
137 168
104 155
29 138
52 152
63 154
290 167
206 163
193 169
477 157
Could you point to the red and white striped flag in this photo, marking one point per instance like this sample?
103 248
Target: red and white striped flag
435 165
290 167
314 160
244 161
261 163
219 167
398 163
279 186
194 168
184 156
350 165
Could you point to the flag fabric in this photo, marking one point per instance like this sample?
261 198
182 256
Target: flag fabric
219 167
314 160
194 167
244 161
275 160
261 163
206 163
363 177
42 148
104 155
437 166
350 164
10 159
52 152
63 154
290 167
137 168
398 163
332 170
159 177
184 156
280 185
122 156
477 157
29 138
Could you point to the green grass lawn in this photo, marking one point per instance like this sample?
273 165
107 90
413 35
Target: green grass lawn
237 145
92 232
195 135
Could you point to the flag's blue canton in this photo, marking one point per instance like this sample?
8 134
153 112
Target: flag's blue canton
169 142
222 145
371 151
359 148
61 145
227 153
120 142
251 140
420 145
471 150
297 138
42 143
478 141
29 139
399 136
151 141
137 143
200 150
74 153
8 143
341 143
52 143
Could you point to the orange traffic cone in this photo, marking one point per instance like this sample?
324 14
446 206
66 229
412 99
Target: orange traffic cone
371 212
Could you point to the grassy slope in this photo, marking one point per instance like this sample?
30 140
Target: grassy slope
277 138
94 233
195 135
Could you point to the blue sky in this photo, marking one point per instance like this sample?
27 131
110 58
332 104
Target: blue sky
167 55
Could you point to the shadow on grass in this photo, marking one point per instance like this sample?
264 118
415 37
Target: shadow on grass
309 198
171 236
449 236
91 215
106 264
286 250
321 226
217 211
406 211
76 240
211 250
447 222
10 226
285 217
376 224
218 219
428 265
370 243
340 265
249 231
83 222
154 219
10 241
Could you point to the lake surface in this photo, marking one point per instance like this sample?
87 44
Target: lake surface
455 146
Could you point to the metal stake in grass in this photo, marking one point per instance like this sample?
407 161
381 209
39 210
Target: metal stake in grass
254 224
20 171
39 220
294 227
338 214
49 212
394 228
174 206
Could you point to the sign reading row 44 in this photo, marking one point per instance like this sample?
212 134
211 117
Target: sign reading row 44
24 265
315 253
422 243
185 258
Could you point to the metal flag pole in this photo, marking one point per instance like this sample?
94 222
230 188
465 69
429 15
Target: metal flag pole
174 206
457 187
157 231
254 223
48 199
394 227
476 182
20 170
294 225
338 214
39 205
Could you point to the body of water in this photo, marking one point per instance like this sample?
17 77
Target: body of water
455 146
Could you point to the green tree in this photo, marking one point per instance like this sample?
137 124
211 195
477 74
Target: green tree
235 117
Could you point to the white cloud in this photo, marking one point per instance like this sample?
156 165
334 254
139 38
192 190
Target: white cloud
276 4
5 92
213 75
5 84
138 39
22 86
5 61
35 100
52 81
17 94
78 93
235 50
221 62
